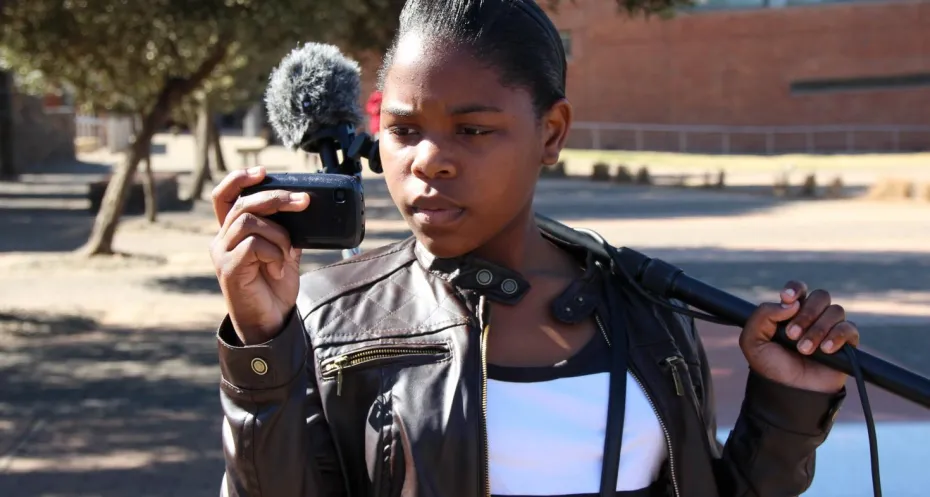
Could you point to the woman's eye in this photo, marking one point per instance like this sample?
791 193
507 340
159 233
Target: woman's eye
401 130
474 131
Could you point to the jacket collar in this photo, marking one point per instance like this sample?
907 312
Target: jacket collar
505 286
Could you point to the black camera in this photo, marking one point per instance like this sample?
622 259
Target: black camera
335 218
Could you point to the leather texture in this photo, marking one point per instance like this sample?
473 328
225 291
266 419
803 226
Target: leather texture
374 387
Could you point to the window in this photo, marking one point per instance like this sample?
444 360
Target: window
869 83
566 43
710 5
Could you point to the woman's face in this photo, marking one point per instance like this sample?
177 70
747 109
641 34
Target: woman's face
461 152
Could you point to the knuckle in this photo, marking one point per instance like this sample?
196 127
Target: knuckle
837 310
250 242
278 197
239 205
216 193
839 331
248 220
820 295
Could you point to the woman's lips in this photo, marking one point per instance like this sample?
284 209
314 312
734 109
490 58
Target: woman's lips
437 217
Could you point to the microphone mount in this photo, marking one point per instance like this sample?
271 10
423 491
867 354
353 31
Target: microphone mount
342 138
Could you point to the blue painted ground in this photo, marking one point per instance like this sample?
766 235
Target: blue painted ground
843 468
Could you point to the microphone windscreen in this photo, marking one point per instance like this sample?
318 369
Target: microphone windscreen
313 87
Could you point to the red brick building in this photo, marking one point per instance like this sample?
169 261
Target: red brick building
749 63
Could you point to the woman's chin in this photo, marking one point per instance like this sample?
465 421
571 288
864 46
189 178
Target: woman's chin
445 245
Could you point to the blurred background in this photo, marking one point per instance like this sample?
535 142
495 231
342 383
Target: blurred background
748 141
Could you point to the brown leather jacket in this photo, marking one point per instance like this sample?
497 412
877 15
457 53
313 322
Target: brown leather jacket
376 387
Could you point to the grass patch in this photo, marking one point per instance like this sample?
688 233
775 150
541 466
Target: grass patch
579 158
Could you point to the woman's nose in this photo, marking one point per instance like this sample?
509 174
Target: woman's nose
432 162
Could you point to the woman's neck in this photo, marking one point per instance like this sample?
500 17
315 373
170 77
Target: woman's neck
521 247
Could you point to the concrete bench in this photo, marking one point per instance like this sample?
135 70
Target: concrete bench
245 153
166 194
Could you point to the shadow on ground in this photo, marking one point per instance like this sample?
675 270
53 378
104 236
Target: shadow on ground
579 198
107 412
50 212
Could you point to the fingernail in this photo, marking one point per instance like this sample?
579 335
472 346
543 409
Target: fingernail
297 197
827 346
789 292
805 346
786 305
253 171
794 331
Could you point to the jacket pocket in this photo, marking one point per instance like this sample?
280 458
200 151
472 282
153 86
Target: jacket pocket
335 368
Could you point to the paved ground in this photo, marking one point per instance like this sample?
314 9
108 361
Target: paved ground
108 378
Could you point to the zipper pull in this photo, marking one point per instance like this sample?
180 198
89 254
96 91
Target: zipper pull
679 387
339 363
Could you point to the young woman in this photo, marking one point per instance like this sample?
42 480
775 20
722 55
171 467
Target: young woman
484 355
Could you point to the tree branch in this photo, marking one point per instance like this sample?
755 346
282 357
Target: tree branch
220 49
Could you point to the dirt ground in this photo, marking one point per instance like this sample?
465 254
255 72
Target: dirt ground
108 375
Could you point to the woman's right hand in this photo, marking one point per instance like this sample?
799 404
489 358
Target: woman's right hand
258 270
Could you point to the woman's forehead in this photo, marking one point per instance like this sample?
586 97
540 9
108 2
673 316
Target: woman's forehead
425 72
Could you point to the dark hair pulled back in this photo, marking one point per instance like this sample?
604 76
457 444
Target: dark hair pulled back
514 37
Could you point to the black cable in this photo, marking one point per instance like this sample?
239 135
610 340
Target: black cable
869 421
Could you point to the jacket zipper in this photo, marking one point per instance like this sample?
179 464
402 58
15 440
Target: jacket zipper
485 329
676 376
668 438
338 364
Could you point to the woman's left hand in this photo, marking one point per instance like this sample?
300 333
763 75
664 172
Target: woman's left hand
815 322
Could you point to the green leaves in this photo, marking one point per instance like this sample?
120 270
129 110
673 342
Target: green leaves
118 55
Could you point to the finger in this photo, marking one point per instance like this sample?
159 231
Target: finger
844 332
257 249
249 224
811 309
266 203
793 291
227 191
767 317
817 332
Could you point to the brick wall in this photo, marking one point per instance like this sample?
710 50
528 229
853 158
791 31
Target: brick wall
736 68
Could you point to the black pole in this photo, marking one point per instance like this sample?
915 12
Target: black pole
667 281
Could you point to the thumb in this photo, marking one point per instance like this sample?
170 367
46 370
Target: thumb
765 320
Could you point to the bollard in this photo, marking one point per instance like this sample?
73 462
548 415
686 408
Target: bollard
601 172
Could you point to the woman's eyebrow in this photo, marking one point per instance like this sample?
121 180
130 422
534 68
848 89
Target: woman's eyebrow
473 109
399 111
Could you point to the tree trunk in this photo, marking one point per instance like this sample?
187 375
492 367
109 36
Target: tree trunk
7 168
202 140
217 160
148 180
148 187
114 199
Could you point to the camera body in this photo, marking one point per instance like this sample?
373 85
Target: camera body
335 218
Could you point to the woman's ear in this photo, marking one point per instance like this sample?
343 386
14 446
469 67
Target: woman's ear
556 123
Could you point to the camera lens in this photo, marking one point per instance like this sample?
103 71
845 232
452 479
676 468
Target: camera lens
339 196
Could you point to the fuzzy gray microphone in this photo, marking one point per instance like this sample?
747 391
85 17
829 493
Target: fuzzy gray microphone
315 86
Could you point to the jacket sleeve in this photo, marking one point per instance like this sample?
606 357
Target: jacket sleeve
276 441
771 450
